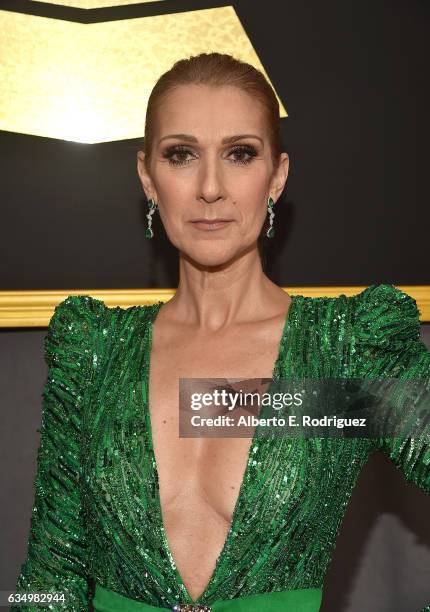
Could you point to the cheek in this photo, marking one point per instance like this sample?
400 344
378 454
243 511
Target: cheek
174 202
172 218
250 216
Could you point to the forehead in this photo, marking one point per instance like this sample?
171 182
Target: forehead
206 111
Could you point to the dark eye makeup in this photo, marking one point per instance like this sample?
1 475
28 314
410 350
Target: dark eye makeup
176 154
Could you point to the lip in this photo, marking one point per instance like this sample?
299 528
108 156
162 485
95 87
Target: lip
213 224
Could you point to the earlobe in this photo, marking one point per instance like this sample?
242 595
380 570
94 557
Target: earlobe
143 174
283 172
280 177
140 162
285 163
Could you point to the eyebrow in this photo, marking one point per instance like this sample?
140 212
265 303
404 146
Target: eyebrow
226 140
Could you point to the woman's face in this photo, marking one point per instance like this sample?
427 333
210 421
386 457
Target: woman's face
196 173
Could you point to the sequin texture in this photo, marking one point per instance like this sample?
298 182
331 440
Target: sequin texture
96 512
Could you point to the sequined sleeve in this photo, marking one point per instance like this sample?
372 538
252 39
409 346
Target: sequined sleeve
389 345
56 560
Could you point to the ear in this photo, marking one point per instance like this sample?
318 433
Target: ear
145 179
279 179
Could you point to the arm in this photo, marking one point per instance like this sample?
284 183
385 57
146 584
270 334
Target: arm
57 550
388 344
408 453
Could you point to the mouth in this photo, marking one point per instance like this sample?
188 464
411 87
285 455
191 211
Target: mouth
205 224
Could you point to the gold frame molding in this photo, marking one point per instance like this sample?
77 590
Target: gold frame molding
35 308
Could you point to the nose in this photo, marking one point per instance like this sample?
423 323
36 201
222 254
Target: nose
211 186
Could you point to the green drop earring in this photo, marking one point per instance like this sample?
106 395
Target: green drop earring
152 207
270 204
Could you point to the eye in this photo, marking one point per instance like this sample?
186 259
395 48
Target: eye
244 150
177 154
178 150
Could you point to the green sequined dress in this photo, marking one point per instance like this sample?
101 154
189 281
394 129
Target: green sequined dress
96 513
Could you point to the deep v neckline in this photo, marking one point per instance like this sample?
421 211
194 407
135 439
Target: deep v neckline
157 498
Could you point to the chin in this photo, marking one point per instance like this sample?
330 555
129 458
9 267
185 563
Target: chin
215 255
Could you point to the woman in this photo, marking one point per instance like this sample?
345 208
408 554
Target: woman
158 521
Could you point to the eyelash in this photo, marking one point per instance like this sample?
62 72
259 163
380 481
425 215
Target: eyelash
168 154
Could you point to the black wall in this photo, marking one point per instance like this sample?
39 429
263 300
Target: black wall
353 79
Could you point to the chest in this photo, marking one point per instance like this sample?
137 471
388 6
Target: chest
202 472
